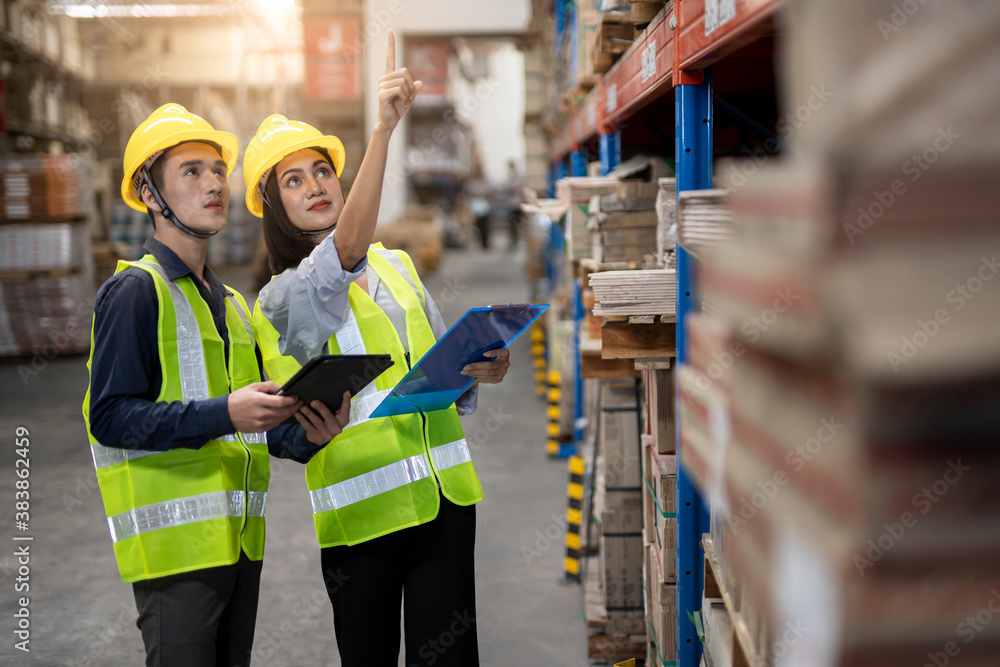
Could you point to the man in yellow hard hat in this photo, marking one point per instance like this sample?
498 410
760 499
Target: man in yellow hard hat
179 420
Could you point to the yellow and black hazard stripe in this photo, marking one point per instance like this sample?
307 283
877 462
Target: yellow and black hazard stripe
552 412
574 515
538 353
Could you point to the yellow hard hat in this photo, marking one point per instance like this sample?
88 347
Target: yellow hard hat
277 137
166 127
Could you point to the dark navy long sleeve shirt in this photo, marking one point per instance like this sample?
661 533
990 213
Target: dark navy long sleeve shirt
125 375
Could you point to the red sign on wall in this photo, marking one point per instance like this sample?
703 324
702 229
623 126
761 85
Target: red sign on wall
428 62
333 58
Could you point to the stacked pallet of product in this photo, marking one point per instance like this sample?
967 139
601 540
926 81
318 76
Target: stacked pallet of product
576 193
660 533
841 414
618 293
612 36
703 219
620 486
44 316
666 227
46 280
38 187
537 82
624 223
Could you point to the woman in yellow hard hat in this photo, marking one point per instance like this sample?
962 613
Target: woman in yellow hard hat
393 497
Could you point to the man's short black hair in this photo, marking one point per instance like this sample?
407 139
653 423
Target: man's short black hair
156 171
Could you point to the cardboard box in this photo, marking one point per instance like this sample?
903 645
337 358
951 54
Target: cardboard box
619 436
631 196
660 508
660 395
661 609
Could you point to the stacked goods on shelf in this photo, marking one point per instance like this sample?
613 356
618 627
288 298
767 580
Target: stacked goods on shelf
857 469
613 36
46 63
666 218
660 506
661 610
644 11
624 224
703 219
660 409
875 92
38 187
46 274
576 192
40 247
418 231
44 315
620 475
620 293
536 98
587 26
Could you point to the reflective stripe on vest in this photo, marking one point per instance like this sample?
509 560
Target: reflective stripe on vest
397 264
388 477
207 506
194 375
109 456
365 401
451 454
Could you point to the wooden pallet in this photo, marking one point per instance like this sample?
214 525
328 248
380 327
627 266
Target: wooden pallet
594 367
641 340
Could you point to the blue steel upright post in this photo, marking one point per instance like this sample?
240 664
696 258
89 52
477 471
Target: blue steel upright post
578 164
694 172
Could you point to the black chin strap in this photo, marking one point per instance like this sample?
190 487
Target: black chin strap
169 214
317 232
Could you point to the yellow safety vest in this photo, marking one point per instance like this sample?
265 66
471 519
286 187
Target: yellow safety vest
381 475
188 509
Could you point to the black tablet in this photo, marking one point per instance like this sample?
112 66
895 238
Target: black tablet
325 378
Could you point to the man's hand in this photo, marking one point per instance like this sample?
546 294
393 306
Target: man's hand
255 408
490 372
396 90
320 424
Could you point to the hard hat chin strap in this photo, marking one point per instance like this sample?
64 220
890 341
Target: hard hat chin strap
169 214
316 232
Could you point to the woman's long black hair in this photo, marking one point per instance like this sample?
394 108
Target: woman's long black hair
286 247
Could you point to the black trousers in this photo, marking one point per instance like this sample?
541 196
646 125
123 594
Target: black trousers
430 569
204 618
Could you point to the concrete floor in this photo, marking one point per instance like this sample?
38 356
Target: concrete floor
83 615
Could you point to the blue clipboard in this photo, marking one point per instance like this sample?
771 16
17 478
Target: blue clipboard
436 382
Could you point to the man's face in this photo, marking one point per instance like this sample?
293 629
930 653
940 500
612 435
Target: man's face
195 186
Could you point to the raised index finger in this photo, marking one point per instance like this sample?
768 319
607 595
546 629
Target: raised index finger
390 56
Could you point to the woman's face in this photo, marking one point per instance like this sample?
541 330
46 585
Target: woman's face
310 190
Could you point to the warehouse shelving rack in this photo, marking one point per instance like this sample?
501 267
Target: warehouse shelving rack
674 54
